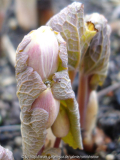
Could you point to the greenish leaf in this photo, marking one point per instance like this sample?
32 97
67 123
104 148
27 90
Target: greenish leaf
71 24
33 128
95 62
62 90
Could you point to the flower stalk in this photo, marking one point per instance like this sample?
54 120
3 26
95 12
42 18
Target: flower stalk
57 142
83 97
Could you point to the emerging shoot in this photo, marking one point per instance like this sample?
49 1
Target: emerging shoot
70 22
90 121
88 48
44 91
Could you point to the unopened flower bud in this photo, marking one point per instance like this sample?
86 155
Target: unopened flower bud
43 52
61 126
90 121
47 102
42 82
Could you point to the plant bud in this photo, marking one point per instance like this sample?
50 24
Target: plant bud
5 154
70 22
42 82
43 58
61 125
90 121
43 52
47 102
98 52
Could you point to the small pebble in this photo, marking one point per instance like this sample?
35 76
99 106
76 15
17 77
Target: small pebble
18 141
110 157
13 23
106 100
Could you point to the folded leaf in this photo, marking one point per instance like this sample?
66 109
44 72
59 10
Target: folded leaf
62 90
34 131
96 59
29 86
40 55
71 24
63 57
33 122
22 57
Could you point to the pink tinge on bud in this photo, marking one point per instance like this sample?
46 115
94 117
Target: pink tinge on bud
5 154
47 102
43 52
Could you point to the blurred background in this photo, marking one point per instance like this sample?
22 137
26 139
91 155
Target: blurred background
19 17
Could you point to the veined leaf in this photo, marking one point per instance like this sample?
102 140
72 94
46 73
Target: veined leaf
34 86
62 90
33 122
78 34
95 62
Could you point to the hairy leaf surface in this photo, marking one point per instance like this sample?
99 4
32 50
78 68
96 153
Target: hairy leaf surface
35 86
96 59
62 90
71 24
33 122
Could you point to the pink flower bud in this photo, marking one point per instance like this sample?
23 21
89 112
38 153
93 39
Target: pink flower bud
43 52
47 102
